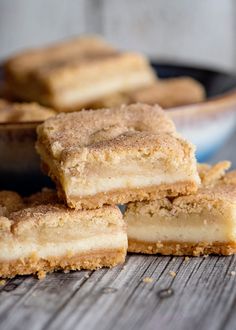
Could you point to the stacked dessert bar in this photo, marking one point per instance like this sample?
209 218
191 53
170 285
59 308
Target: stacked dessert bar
201 223
69 75
129 154
97 159
133 155
39 234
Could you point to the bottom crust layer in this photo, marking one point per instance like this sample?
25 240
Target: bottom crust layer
182 249
39 266
122 196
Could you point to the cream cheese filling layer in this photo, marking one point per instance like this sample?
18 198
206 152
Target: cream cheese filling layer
94 184
194 228
13 249
84 93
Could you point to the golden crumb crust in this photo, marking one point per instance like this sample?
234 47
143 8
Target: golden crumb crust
88 128
182 249
217 184
66 137
18 215
23 112
120 196
58 55
58 215
210 174
40 266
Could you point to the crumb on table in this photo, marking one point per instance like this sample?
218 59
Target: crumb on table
147 280
41 275
172 273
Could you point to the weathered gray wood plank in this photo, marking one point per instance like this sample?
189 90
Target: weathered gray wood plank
37 300
204 297
127 281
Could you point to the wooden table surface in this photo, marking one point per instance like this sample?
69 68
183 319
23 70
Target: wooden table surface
201 296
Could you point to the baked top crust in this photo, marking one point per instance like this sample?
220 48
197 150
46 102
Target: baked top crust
122 127
23 112
45 209
59 55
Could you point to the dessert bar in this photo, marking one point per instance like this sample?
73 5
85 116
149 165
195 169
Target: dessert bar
201 223
114 156
69 75
40 235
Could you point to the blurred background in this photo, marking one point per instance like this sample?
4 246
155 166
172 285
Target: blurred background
199 32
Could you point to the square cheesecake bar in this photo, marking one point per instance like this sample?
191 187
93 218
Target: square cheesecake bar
12 112
171 92
114 156
69 75
198 224
168 93
40 235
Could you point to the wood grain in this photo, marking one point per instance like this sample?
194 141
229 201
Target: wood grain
204 297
